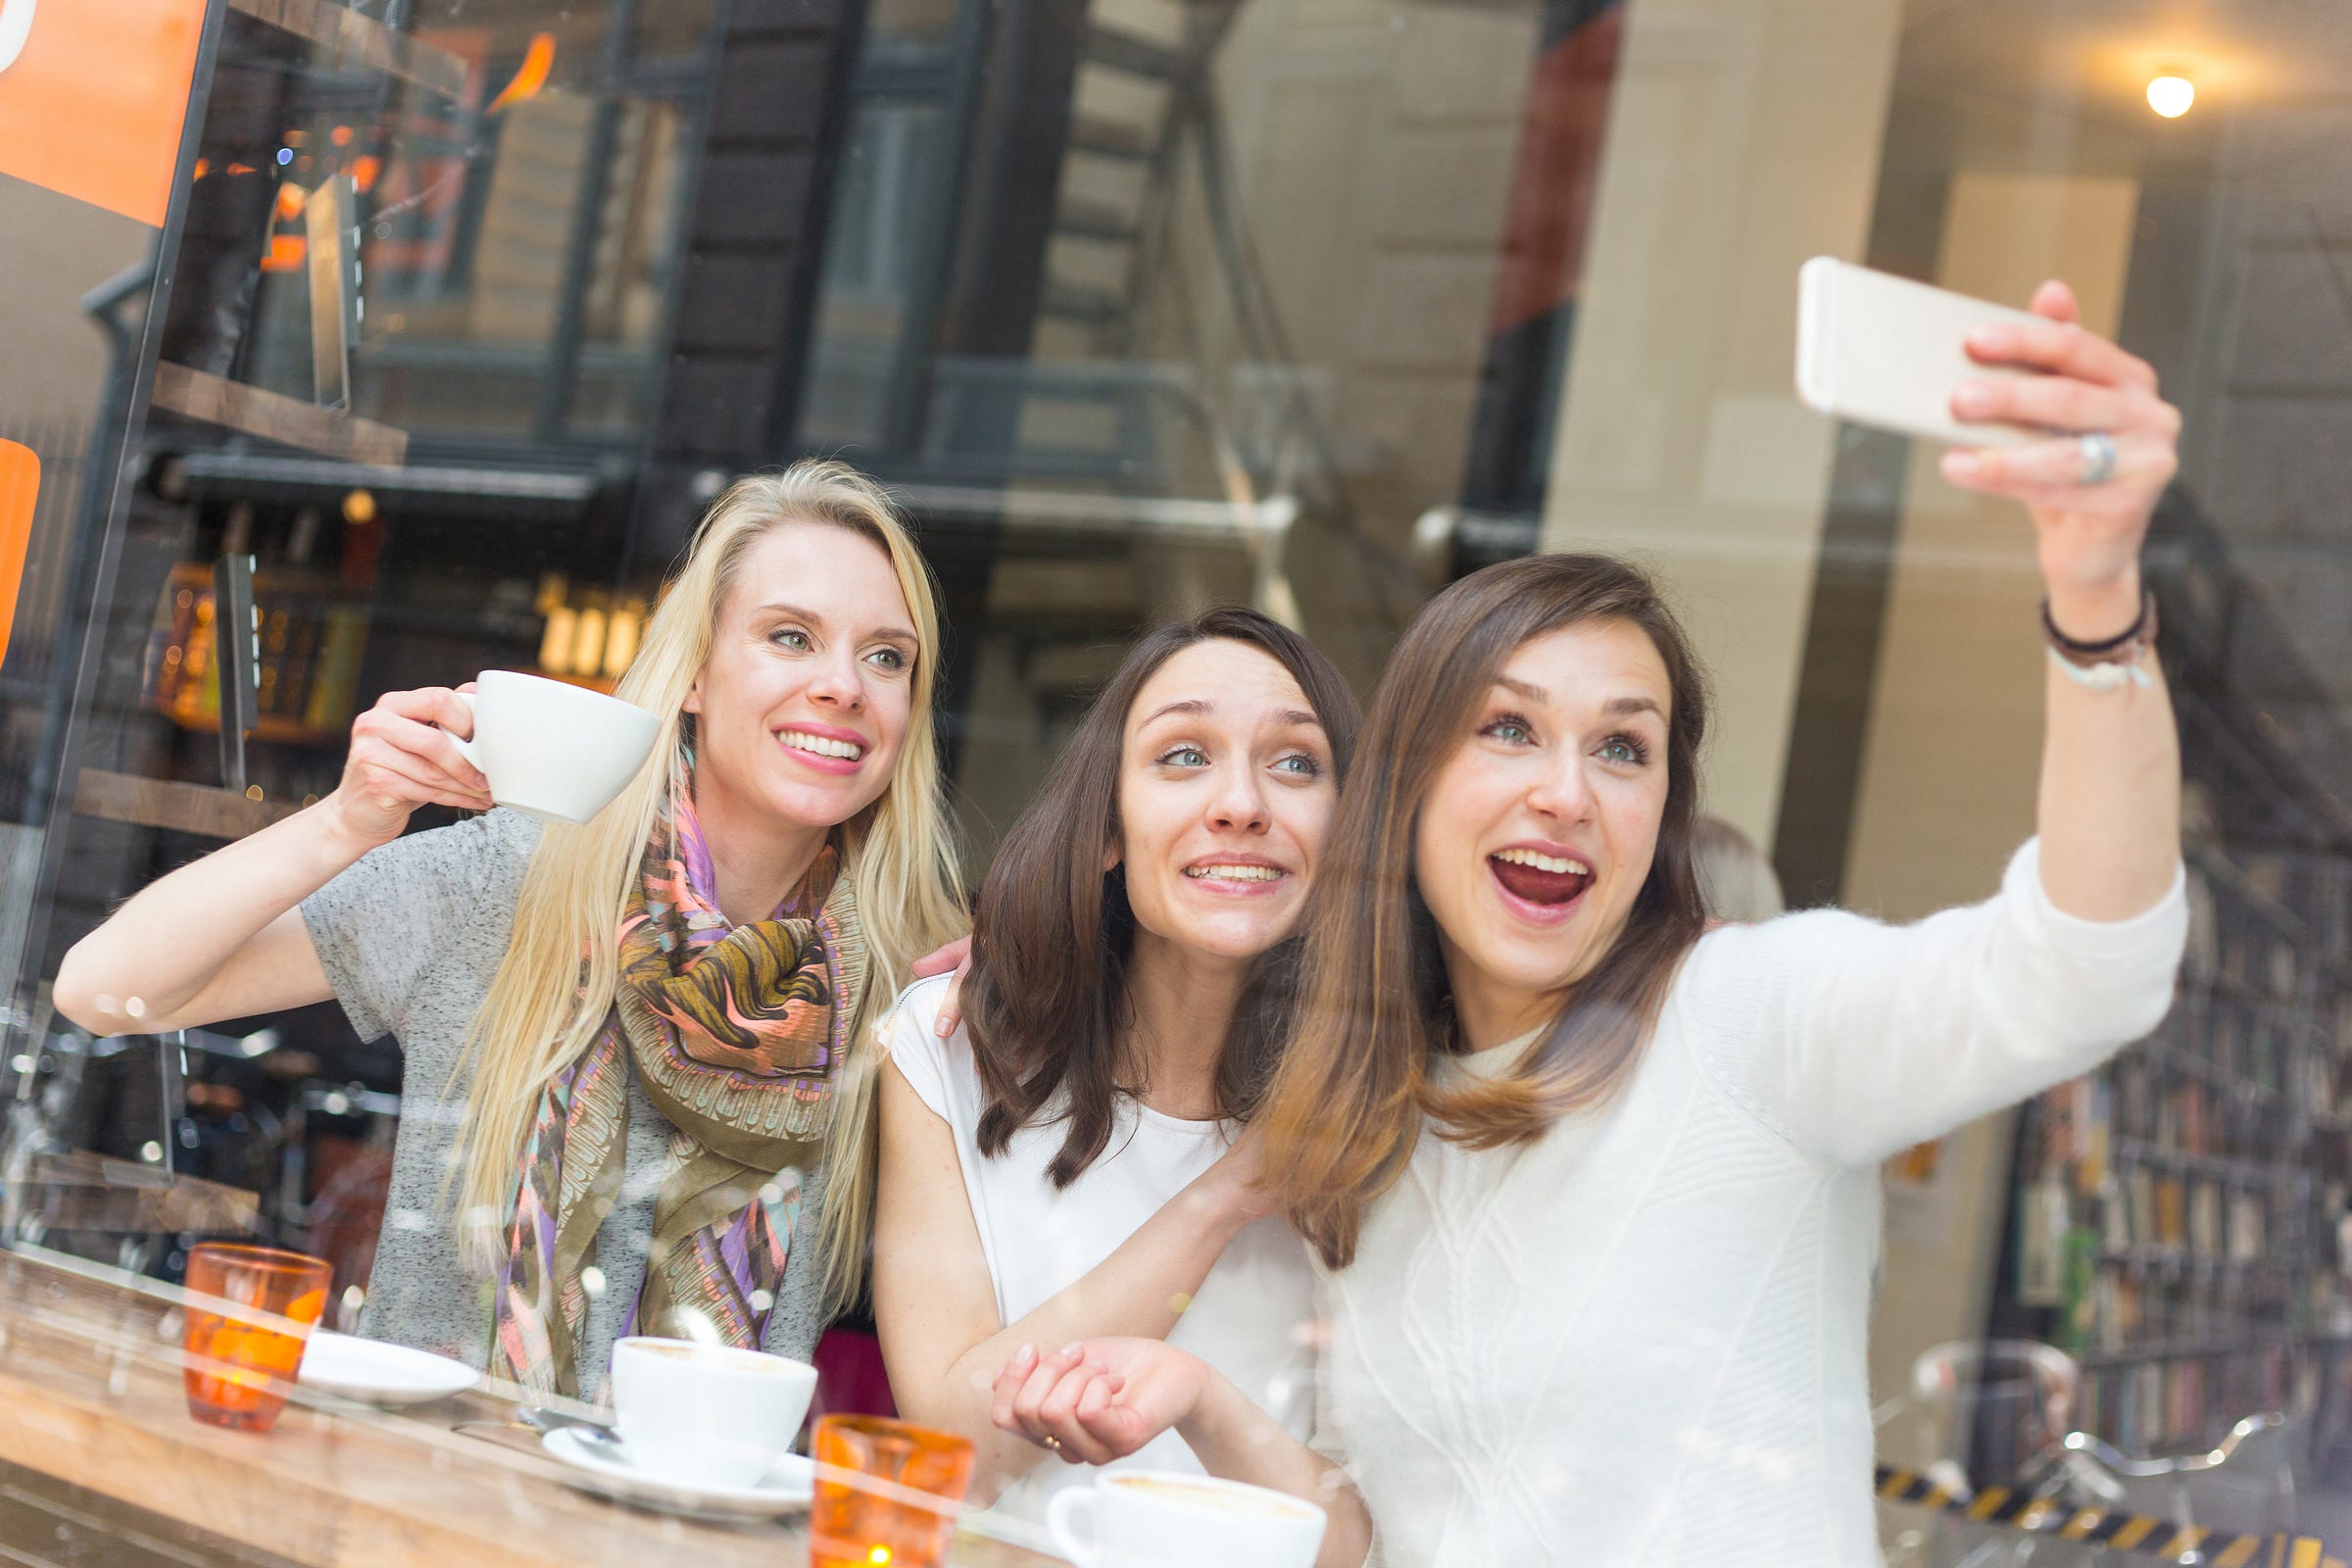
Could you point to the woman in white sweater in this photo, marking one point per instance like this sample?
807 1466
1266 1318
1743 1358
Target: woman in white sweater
1594 1188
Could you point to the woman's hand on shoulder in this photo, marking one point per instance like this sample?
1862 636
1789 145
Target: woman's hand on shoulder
1099 1400
404 754
2089 535
955 955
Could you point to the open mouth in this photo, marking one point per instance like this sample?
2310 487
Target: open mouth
1549 880
826 746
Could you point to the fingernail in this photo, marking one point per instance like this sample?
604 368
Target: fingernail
943 1028
1962 468
1972 398
1027 1352
1992 339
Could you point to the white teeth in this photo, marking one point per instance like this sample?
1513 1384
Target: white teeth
803 741
1543 862
1236 873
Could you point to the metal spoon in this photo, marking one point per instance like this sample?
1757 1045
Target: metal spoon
595 1434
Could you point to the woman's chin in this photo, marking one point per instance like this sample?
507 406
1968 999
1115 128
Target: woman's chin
1516 966
817 804
1234 941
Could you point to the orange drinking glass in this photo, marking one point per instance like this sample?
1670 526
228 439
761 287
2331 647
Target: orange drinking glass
249 1317
887 1492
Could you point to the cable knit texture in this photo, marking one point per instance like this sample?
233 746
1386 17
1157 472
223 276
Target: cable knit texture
1641 1338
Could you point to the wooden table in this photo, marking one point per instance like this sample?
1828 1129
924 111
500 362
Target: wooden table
100 1463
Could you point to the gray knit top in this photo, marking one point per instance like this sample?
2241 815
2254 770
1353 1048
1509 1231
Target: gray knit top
410 938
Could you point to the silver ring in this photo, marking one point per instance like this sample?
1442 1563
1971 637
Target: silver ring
2098 456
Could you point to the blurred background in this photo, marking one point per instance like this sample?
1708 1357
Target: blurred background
435 323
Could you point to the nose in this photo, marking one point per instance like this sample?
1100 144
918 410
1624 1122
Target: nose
837 681
1564 791
1239 801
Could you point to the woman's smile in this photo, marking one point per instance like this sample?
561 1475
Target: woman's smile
1237 876
1543 884
823 747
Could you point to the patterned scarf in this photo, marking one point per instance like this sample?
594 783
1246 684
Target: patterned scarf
735 1032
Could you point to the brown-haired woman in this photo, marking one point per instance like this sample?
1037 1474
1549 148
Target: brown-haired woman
1059 1165
1620 1299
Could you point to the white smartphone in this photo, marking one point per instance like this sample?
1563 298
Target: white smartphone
1885 351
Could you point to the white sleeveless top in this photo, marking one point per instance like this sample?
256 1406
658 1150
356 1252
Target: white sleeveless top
1247 1320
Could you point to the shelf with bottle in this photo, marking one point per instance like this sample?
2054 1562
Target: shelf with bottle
311 634
589 636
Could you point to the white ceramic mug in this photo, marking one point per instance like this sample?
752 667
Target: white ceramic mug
551 749
707 1414
1161 1519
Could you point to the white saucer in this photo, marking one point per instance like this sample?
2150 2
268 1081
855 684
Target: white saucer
379 1372
786 1489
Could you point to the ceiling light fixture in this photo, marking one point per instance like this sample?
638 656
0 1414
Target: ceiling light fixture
2170 97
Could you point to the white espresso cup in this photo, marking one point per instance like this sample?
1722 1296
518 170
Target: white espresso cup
552 749
707 1414
1161 1519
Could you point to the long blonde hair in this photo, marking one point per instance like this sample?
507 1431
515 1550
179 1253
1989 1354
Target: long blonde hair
547 1002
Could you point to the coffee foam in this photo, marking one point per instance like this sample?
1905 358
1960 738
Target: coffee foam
715 1356
1210 1495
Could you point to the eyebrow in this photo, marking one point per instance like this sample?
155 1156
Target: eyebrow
893 633
1196 706
1614 708
1188 705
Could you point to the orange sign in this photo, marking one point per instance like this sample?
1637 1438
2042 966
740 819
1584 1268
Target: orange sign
19 485
93 94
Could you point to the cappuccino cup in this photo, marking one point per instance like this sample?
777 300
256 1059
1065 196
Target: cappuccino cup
1161 1519
555 751
706 1415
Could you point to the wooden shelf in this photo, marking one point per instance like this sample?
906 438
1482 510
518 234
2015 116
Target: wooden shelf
274 417
212 814
273 727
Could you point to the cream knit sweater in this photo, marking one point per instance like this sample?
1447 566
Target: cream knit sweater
1639 1340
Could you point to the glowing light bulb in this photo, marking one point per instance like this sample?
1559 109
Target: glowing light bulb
2170 97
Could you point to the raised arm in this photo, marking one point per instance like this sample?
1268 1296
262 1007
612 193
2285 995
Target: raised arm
223 937
1856 1038
2109 812
936 1306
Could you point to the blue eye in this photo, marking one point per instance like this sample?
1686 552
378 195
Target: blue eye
1301 764
1184 757
1510 727
1626 750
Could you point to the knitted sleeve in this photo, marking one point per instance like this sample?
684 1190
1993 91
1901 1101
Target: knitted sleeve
383 929
1854 1039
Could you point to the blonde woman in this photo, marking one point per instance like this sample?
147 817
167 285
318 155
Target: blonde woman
626 1046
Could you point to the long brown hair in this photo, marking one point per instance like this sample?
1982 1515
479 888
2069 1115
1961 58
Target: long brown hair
1046 1000
1353 1086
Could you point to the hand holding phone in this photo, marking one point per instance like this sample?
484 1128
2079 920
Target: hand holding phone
1885 351
2039 410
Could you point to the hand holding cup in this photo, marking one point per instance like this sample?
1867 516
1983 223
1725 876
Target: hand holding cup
405 754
